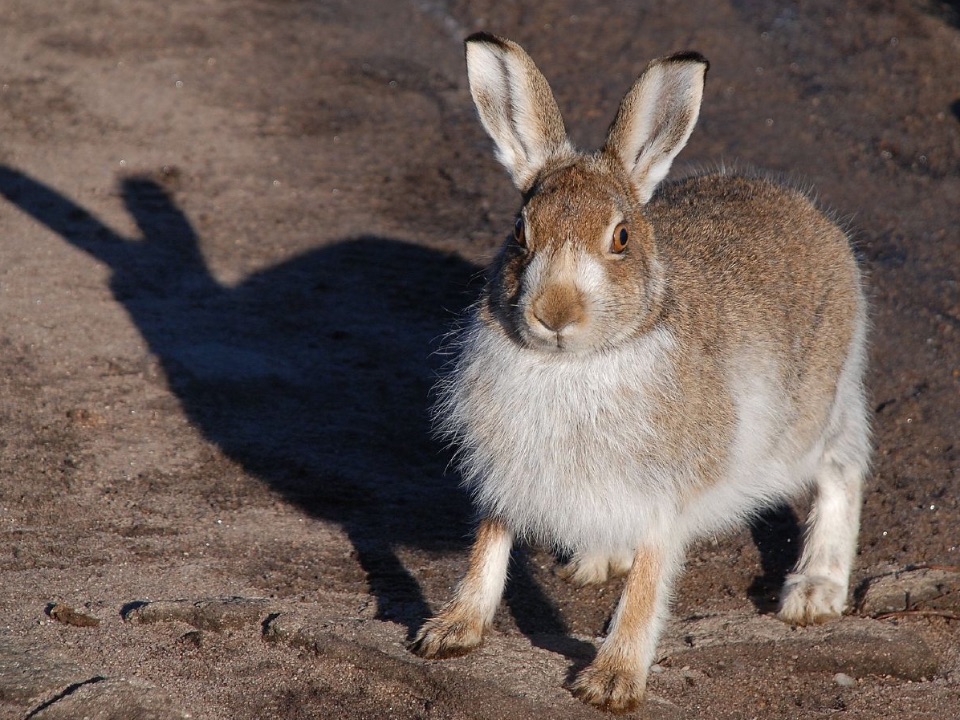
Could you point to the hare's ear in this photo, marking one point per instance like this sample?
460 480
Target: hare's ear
656 118
516 106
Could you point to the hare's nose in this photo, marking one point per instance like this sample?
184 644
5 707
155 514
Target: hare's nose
558 309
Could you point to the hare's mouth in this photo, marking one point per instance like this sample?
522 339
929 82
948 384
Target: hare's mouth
555 342
556 345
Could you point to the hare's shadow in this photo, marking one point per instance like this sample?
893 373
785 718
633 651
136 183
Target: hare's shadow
778 537
314 374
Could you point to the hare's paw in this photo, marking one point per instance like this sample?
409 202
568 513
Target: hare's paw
811 599
450 634
609 687
585 570
594 569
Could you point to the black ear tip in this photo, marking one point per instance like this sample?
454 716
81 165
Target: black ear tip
485 37
689 56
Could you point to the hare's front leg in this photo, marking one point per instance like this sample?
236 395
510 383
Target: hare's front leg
459 626
617 677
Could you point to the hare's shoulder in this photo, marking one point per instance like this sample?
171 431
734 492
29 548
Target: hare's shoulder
734 226
756 258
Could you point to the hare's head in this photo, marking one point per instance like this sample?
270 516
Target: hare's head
581 271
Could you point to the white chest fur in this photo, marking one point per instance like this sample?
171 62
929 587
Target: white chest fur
561 446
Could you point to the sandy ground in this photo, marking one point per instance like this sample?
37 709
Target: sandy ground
232 235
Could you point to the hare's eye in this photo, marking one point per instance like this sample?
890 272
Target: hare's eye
519 232
621 236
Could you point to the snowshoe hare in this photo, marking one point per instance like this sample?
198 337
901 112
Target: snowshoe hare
648 364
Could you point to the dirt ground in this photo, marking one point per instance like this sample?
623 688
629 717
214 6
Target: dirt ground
233 234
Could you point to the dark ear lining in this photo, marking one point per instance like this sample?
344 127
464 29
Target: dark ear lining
486 38
689 56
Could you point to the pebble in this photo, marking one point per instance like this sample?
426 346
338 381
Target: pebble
904 590
844 680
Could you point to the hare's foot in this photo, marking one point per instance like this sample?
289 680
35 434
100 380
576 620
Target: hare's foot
816 591
811 599
610 687
594 569
450 634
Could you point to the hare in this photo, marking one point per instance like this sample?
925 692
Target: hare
648 364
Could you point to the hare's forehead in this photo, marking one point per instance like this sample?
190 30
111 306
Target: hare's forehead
575 201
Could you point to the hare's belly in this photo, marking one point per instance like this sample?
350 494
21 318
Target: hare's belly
599 501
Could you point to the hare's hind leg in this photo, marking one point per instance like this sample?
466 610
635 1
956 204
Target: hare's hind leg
458 628
816 590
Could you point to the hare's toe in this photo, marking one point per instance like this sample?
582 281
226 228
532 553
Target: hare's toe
811 599
609 688
447 636
594 569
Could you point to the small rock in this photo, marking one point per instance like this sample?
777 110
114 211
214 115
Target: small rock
844 680
858 647
922 588
68 616
213 614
